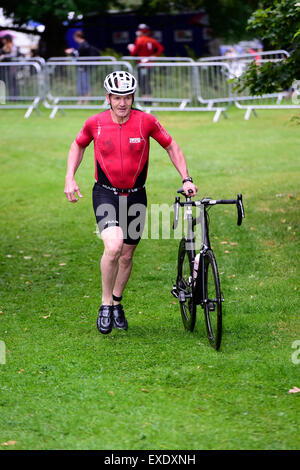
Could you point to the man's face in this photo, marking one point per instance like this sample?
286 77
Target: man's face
121 105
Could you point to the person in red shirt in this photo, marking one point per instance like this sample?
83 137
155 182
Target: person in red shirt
145 46
255 55
121 150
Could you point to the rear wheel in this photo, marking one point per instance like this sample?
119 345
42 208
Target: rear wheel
184 285
212 301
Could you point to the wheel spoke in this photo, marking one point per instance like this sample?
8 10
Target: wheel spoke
184 285
212 301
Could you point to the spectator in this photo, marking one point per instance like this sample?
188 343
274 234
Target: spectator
145 46
255 55
213 45
84 50
236 65
10 52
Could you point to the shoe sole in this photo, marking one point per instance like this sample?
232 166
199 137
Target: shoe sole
120 327
106 332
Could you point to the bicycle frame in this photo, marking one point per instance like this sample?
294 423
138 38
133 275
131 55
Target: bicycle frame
202 219
203 289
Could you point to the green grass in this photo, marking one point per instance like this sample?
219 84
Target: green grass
64 386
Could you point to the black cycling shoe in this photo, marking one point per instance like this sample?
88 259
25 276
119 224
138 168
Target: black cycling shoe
119 319
105 319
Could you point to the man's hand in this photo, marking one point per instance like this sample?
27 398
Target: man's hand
188 185
71 188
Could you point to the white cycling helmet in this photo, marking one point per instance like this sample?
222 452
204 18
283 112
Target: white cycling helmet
120 83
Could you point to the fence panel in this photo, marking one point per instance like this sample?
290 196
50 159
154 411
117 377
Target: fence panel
22 83
78 84
244 100
136 60
165 84
183 86
238 62
85 58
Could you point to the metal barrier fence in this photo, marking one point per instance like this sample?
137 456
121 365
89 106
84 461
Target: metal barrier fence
39 60
84 59
23 85
136 60
78 84
184 86
244 100
165 84
158 59
249 57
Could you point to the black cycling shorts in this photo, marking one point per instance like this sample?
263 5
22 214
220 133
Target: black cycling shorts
127 212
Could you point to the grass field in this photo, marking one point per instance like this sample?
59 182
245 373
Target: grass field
64 386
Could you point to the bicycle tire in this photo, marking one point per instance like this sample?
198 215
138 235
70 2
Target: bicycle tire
185 286
212 301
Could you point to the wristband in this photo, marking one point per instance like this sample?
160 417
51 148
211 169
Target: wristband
188 178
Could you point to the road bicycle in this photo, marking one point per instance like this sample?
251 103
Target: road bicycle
198 282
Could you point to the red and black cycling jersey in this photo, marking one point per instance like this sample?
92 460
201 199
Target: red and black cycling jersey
122 150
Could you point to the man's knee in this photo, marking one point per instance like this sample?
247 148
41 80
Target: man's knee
113 242
126 257
113 251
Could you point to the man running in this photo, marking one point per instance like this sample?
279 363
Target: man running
121 147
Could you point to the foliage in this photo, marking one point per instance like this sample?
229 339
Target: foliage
112 52
39 10
53 14
278 24
227 18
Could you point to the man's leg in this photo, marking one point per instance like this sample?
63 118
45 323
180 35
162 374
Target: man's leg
122 276
113 242
123 273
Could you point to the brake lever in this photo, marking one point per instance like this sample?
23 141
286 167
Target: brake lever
240 209
176 212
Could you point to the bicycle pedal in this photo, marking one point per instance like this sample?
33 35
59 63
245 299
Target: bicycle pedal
181 296
174 292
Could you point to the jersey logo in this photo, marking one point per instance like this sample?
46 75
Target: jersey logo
134 140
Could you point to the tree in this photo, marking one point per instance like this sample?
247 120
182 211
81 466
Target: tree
53 14
278 25
227 18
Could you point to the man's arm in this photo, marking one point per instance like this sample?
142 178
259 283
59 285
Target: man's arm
133 48
178 159
74 160
159 49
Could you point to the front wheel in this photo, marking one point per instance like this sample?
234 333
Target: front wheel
185 285
212 301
